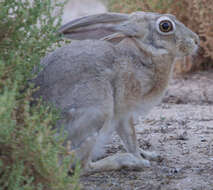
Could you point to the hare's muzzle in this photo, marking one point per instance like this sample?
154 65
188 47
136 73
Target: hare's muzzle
189 46
195 41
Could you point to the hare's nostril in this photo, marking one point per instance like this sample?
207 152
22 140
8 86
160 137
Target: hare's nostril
197 41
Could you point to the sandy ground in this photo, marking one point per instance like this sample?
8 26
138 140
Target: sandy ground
181 131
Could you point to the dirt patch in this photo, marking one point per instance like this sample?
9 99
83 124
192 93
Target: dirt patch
194 88
181 131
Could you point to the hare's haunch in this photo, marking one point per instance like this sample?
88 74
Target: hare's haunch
119 69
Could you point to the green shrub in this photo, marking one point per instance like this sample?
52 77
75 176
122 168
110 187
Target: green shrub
29 149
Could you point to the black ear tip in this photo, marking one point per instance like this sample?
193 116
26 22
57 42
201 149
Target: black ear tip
68 26
62 29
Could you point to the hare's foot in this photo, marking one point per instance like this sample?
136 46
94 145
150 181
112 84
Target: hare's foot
152 156
126 131
117 162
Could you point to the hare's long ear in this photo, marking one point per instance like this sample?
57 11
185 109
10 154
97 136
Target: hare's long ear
94 26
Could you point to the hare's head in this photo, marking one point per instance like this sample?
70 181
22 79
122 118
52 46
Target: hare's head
165 31
156 30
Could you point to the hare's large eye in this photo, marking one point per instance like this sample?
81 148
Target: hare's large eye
165 26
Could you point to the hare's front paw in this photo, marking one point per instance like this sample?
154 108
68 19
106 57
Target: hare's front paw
153 156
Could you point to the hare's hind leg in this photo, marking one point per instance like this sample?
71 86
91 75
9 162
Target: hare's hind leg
126 131
117 162
82 128
131 160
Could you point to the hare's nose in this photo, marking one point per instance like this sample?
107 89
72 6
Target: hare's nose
196 39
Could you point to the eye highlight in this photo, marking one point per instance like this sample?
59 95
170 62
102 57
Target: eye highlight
165 26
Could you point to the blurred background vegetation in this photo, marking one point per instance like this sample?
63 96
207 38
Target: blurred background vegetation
29 149
195 14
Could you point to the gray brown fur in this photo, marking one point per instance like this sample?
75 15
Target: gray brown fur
119 70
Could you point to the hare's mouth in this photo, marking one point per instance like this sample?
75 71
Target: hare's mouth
189 47
195 51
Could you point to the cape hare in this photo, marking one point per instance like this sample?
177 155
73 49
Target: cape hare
119 69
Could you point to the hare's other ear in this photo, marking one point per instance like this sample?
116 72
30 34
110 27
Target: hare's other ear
94 26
